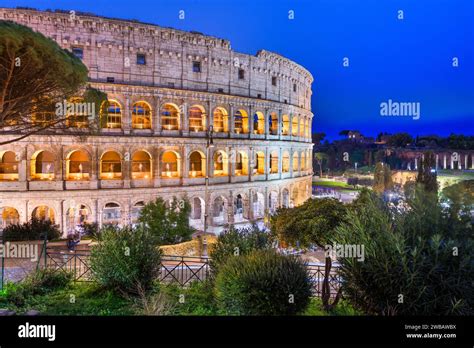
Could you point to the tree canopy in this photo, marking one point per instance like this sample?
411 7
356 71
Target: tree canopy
35 74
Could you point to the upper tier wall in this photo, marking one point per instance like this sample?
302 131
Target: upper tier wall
110 49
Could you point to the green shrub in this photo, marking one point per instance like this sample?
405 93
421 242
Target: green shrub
263 283
91 230
31 230
416 262
37 283
234 242
168 222
126 259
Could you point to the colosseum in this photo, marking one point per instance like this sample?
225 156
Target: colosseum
169 92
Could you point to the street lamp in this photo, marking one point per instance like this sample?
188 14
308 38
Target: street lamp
209 145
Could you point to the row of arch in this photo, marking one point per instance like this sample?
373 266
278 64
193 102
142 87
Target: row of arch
79 164
171 119
242 208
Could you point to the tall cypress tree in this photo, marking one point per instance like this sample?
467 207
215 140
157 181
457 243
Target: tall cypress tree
427 176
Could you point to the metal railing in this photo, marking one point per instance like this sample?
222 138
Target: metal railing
184 269
61 259
316 273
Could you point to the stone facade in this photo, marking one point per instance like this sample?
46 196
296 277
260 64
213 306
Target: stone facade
168 87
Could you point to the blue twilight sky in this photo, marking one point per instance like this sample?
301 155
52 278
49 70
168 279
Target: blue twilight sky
407 60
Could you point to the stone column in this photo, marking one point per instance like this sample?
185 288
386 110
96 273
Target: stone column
280 162
267 118
280 124
231 120
416 163
126 116
156 117
184 118
465 161
230 208
250 121
472 161
437 159
211 107
444 162
156 168
185 165
251 214
126 167
452 162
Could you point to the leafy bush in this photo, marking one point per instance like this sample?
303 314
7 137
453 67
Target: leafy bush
263 283
169 223
37 283
126 259
91 230
234 242
417 261
31 230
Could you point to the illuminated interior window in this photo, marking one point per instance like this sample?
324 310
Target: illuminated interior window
286 125
241 164
78 165
285 165
241 122
141 116
295 162
169 117
113 112
42 166
196 165
110 166
221 122
78 113
273 123
274 162
294 126
259 167
197 118
8 166
8 216
258 123
43 212
169 165
141 165
220 160
302 127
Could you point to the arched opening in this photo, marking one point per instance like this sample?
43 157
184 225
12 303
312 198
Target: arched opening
294 126
219 216
42 166
258 203
285 165
286 125
221 167
8 166
308 129
111 214
302 127
273 123
303 161
8 216
111 110
294 196
274 162
78 165
221 120
259 167
197 118
78 113
141 115
43 212
295 162
238 208
241 163
170 165
196 219
141 165
273 202
197 165
136 210
285 198
170 117
110 166
76 217
258 123
241 122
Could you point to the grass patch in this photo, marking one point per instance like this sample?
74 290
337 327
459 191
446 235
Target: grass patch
336 184
81 298
315 308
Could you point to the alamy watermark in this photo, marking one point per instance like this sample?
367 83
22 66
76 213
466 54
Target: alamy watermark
404 109
345 251
19 250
